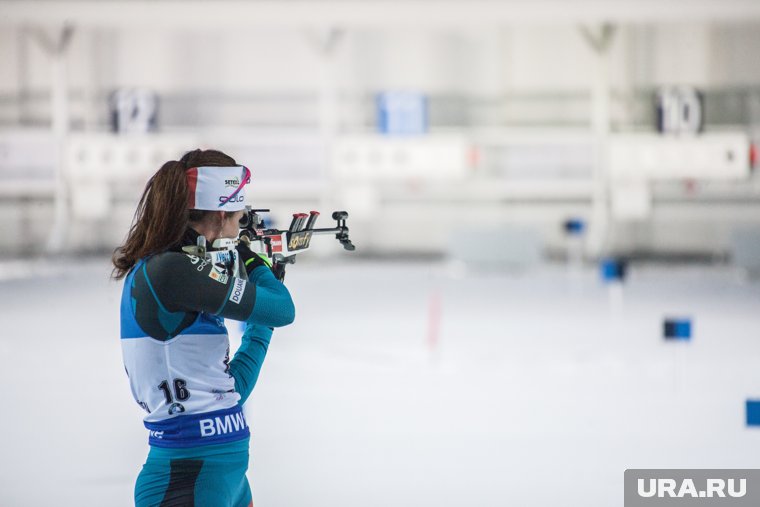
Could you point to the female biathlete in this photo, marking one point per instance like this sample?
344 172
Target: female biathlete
174 342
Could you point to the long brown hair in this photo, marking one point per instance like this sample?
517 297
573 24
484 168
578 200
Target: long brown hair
162 216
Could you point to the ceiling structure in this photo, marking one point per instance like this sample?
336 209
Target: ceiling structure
368 13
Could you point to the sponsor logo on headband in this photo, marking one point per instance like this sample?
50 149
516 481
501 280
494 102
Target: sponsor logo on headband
235 183
223 199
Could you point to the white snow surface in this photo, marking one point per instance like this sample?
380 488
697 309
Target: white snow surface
542 388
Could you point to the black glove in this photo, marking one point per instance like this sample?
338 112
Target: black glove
278 268
250 259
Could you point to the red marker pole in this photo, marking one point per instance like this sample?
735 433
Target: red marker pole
434 321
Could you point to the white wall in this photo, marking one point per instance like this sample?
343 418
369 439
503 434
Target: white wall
486 61
735 54
286 63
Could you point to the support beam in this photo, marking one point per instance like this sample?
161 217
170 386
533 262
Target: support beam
369 13
56 48
599 40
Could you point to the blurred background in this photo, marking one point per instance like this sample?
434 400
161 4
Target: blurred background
556 210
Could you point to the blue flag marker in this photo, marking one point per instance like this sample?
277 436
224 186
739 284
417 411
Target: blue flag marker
677 329
753 412
613 270
574 226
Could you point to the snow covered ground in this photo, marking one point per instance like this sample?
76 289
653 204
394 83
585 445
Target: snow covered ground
535 389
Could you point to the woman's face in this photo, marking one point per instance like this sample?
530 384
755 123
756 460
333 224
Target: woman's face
231 225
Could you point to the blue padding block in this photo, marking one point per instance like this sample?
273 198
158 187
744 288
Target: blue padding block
753 412
612 270
402 113
677 329
575 226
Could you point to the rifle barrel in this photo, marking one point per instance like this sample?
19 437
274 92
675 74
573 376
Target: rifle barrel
334 230
277 232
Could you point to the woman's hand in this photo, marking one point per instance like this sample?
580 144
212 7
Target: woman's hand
250 259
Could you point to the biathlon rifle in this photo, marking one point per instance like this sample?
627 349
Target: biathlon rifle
278 247
281 246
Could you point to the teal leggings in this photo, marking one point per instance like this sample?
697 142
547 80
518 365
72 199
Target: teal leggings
208 476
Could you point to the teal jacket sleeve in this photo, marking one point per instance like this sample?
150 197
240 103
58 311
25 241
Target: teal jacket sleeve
184 283
273 305
246 364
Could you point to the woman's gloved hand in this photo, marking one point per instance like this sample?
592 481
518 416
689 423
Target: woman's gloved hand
279 271
251 259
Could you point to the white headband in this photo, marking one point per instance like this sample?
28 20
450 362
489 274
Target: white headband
217 188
